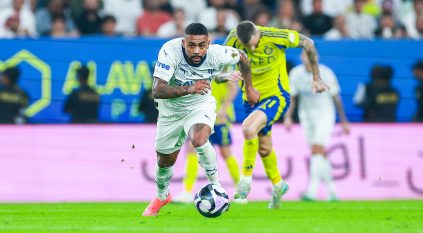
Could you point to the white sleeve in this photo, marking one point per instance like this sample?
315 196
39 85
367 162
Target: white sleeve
165 65
292 81
332 82
227 55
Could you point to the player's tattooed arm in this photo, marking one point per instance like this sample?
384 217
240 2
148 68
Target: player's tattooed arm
245 68
341 113
308 45
162 90
253 95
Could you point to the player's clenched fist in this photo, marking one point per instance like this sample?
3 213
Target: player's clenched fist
253 96
200 87
319 85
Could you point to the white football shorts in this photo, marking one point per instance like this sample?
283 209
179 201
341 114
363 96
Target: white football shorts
318 131
172 131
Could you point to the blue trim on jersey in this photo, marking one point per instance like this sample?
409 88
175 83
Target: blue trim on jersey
221 135
280 85
280 46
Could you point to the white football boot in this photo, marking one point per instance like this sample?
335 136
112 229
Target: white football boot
278 191
242 190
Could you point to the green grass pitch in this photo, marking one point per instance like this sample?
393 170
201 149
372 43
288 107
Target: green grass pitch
371 216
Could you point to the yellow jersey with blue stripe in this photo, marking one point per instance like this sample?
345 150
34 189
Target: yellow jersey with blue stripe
268 62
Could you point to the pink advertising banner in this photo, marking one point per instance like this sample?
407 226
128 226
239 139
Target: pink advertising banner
48 163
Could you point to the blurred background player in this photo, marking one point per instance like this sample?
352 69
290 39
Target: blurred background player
224 94
317 117
13 100
378 98
265 47
83 103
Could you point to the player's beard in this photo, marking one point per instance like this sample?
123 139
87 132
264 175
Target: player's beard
196 59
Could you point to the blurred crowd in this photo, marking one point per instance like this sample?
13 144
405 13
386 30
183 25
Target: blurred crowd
330 19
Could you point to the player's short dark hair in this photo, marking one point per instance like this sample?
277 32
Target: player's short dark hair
245 30
196 29
12 73
83 72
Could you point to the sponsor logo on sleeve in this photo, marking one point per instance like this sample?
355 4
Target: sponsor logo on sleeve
162 65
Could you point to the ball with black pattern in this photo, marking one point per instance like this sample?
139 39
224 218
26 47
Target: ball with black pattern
211 201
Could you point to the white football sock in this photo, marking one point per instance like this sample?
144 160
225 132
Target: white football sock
246 179
328 179
314 180
163 175
208 160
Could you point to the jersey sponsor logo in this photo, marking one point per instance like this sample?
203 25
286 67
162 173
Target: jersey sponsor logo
262 61
179 82
162 65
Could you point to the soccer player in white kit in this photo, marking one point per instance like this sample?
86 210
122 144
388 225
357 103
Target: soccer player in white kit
317 117
182 91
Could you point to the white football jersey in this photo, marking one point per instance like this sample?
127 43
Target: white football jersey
173 68
314 106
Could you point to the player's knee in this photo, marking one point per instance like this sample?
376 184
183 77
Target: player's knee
317 149
199 141
166 161
264 150
248 132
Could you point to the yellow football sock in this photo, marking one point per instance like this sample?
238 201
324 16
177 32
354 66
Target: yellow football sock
191 170
233 168
270 164
250 154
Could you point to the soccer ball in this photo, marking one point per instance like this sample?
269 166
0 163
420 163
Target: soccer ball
211 201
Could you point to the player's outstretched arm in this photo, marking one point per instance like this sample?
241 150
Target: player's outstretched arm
342 116
162 90
308 45
233 76
253 95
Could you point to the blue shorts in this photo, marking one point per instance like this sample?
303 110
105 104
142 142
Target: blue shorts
274 107
221 135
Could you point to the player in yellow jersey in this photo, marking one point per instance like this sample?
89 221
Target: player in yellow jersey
224 94
265 47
